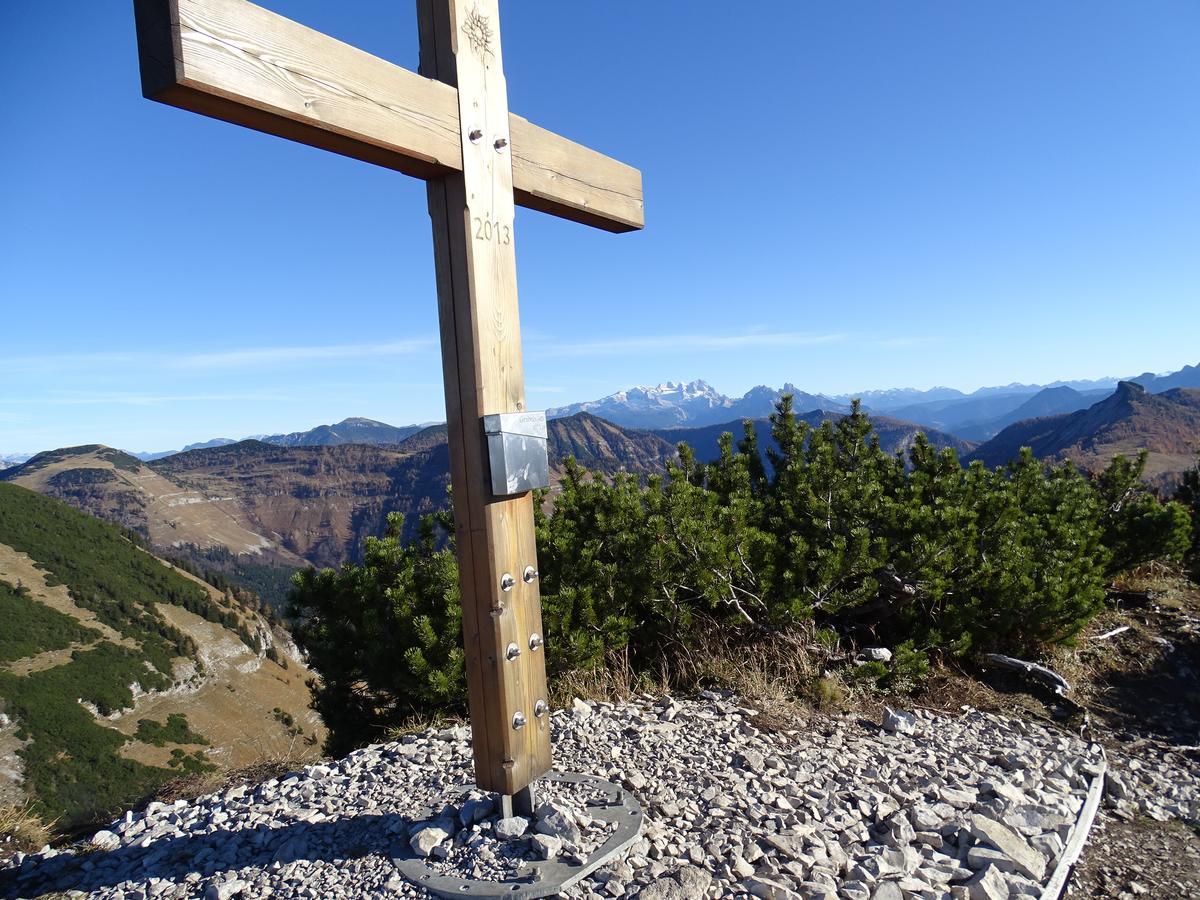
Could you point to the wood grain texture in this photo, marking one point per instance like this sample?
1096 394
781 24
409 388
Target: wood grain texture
235 61
482 368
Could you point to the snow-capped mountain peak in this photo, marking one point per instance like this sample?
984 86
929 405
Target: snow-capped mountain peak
692 403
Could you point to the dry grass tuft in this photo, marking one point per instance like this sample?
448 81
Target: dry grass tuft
613 682
1169 582
22 829
784 674
265 767
418 723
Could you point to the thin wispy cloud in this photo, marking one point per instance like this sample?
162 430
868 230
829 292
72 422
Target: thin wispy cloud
121 398
670 342
272 356
239 358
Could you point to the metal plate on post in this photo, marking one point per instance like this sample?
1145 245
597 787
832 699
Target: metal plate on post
517 452
540 878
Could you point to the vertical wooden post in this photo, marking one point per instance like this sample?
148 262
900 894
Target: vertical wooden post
474 244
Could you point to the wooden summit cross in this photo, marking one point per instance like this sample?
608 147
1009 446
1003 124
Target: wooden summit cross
449 125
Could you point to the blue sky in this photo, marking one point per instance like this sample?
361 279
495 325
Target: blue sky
842 195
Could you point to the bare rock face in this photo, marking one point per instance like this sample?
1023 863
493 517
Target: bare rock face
545 846
556 820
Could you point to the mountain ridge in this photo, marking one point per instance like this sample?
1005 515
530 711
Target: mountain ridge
652 409
1166 425
694 404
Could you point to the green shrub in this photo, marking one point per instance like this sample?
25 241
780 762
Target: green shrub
30 627
1189 497
1137 526
909 668
174 731
386 636
934 557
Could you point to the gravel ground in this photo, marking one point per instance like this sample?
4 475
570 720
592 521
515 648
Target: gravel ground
969 806
1141 845
1141 858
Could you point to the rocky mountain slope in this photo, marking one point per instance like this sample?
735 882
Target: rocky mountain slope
1167 425
604 447
117 487
251 508
318 503
118 672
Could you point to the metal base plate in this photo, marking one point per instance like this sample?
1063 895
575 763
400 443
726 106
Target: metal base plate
540 878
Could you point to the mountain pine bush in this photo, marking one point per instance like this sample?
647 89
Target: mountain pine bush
1138 527
1189 496
385 636
915 551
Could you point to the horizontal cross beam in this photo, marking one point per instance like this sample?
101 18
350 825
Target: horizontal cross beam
238 62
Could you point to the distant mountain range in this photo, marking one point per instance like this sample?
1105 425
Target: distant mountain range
980 417
347 431
1131 419
257 511
974 417
694 404
279 507
289 506
968 418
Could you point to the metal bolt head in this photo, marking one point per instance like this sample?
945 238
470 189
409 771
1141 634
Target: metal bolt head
529 574
476 135
500 144
535 641
539 708
507 582
518 720
512 651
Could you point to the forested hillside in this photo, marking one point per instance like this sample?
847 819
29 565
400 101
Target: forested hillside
94 629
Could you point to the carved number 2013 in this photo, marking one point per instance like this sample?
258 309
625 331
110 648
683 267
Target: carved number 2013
486 230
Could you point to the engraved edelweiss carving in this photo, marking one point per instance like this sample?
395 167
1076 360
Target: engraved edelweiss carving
478 30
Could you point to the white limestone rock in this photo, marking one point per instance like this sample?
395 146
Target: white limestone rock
1024 857
899 721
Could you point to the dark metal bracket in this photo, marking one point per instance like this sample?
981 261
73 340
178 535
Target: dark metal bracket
540 878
